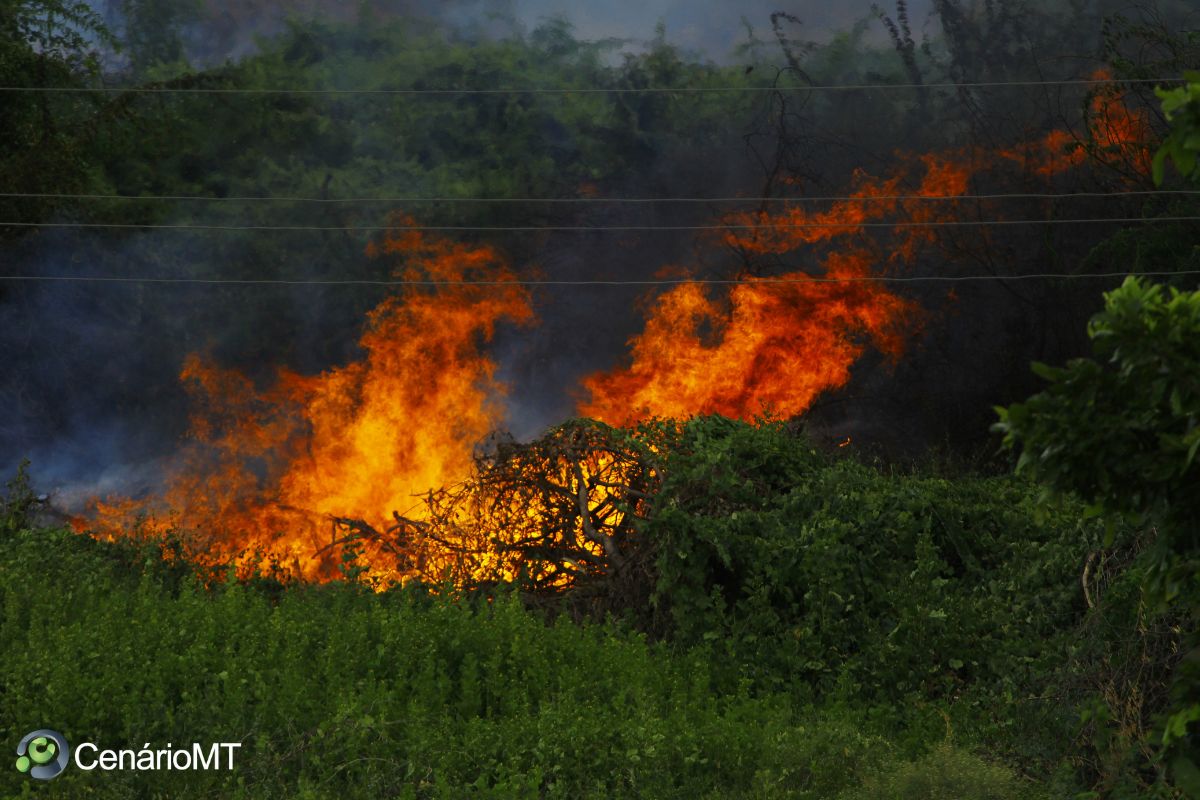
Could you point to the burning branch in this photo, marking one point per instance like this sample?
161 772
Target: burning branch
557 514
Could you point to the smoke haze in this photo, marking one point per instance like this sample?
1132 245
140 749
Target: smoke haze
91 383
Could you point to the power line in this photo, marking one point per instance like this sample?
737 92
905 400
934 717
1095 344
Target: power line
586 228
553 282
562 90
597 200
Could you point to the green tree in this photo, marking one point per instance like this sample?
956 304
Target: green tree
152 32
1122 431
1182 144
44 135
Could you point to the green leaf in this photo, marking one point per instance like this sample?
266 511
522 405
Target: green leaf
1185 161
1158 165
1194 435
1045 371
1186 775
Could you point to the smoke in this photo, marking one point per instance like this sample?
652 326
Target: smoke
212 33
713 29
91 371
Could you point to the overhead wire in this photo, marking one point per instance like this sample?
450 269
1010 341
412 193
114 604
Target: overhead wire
601 200
584 228
562 90
587 228
586 282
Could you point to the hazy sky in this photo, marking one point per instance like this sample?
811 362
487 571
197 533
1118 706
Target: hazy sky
711 26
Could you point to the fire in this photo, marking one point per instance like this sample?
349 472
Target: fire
769 347
1116 136
558 511
269 468
381 454
774 345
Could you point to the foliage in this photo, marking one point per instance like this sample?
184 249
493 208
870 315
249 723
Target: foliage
47 140
821 622
152 33
945 773
1122 431
865 584
335 691
18 502
1182 143
64 33
910 596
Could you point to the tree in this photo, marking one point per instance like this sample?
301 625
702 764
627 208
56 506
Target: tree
152 32
1122 431
46 44
1182 144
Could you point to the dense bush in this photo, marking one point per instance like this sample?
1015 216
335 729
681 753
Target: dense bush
880 585
820 624
1120 431
946 773
336 691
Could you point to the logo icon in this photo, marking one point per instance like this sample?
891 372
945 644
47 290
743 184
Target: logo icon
43 754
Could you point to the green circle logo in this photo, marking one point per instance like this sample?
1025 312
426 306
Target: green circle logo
43 754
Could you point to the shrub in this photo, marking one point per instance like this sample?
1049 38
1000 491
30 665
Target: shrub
1122 431
337 691
945 773
808 572
18 503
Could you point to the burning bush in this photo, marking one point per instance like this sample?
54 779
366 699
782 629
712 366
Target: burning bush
560 514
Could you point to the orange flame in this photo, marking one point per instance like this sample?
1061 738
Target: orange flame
775 345
1116 136
269 466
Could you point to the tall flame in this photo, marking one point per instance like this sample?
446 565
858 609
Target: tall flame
769 347
270 467
774 345
272 471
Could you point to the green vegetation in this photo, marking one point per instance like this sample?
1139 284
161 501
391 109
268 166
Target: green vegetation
944 774
1121 431
809 625
832 630
1182 143
337 692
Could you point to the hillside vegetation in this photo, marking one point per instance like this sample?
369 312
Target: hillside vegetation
824 629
